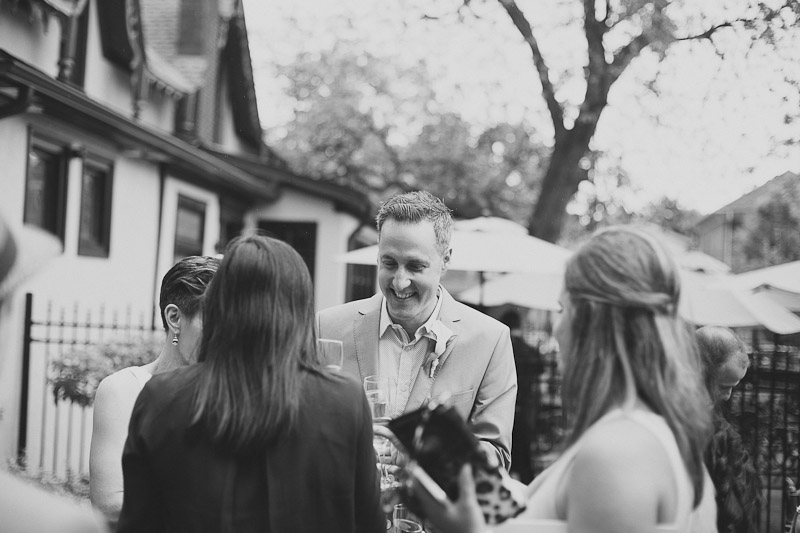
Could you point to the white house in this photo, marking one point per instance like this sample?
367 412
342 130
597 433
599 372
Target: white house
129 129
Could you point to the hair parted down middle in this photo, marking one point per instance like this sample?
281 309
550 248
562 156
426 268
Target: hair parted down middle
629 341
258 335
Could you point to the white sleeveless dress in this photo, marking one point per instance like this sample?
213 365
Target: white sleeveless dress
540 515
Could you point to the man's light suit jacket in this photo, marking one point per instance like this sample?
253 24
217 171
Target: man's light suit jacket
476 369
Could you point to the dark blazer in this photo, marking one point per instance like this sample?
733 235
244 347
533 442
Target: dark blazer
321 477
476 369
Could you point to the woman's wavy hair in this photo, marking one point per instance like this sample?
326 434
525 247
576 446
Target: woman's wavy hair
258 335
629 342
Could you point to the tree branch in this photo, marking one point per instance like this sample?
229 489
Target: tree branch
625 55
711 31
548 91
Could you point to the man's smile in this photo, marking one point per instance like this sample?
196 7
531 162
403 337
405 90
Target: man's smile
403 296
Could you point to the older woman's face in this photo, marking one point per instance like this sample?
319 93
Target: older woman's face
562 325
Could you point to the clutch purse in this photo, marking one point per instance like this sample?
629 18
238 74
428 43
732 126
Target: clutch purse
439 443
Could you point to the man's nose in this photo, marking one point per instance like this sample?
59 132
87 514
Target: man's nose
400 280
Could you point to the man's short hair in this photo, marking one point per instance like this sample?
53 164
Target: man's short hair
416 206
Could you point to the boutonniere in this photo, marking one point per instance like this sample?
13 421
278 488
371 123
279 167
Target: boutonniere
441 334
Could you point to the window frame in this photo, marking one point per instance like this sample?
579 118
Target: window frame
60 182
181 248
97 245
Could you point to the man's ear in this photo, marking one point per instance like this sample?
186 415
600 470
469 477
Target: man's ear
173 316
446 259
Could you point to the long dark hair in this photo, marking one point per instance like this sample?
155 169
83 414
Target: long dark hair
257 335
629 342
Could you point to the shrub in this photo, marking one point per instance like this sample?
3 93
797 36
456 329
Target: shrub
76 374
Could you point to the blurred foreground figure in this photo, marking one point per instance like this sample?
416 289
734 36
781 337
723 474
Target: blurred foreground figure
23 506
258 435
738 486
636 407
182 290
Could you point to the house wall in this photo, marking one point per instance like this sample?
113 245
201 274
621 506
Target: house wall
143 217
36 43
712 235
333 230
121 283
174 187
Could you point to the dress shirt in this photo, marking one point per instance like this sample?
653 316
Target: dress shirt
401 358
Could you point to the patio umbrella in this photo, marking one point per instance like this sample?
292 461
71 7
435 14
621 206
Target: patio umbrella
533 291
501 248
705 300
781 283
488 245
711 300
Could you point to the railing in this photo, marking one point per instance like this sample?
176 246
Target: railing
54 435
765 409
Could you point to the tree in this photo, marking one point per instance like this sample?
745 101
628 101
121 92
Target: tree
616 33
374 124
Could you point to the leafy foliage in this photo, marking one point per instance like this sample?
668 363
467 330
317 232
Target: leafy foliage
374 124
773 237
75 375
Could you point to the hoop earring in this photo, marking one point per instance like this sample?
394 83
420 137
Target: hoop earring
175 339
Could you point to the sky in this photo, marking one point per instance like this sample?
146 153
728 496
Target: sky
706 139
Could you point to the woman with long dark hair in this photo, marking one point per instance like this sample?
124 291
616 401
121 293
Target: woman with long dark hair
256 436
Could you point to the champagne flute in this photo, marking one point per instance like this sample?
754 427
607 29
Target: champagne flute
377 390
331 353
405 522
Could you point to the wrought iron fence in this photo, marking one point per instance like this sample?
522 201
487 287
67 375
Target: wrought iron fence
765 409
54 435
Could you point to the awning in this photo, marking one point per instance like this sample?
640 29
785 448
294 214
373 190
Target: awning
71 105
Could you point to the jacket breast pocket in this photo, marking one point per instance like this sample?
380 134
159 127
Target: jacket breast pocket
456 398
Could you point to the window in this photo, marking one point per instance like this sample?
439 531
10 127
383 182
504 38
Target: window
46 187
361 279
230 221
95 222
302 236
81 40
189 228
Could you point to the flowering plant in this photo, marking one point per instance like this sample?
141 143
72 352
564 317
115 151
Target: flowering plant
76 374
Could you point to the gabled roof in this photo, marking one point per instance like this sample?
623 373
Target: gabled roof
64 102
751 200
123 42
344 198
241 85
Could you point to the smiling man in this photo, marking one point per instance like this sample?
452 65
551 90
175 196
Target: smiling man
417 336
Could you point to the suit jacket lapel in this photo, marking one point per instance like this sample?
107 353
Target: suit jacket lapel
365 336
423 384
